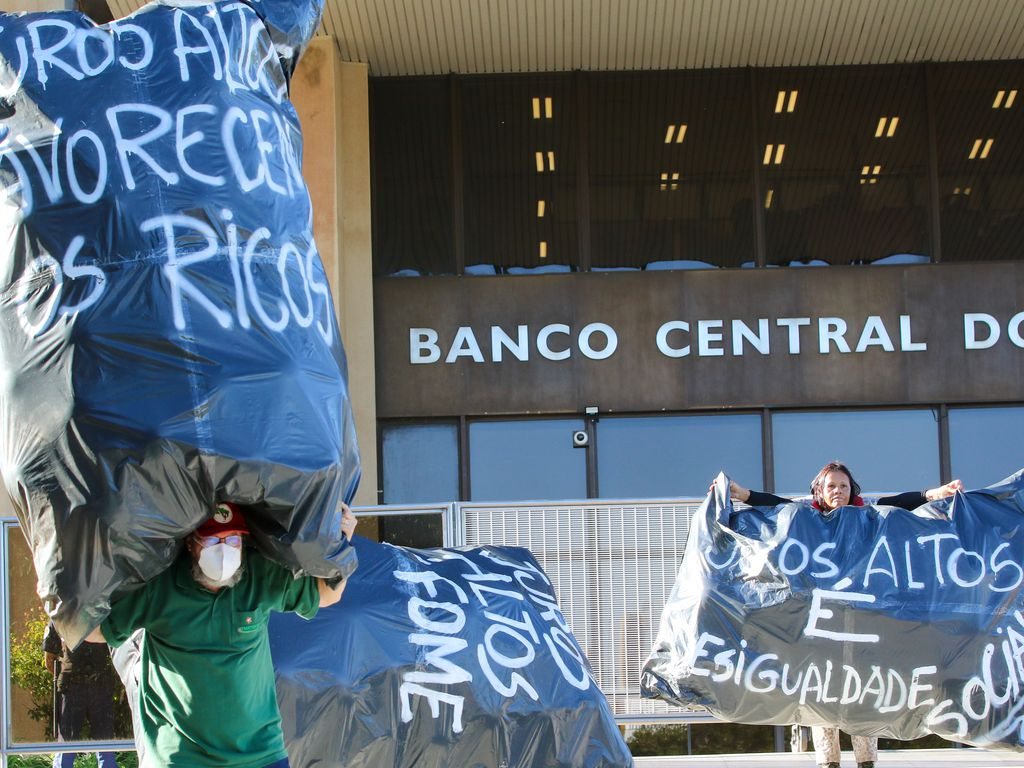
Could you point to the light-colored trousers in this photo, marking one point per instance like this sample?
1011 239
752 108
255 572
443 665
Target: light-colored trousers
826 746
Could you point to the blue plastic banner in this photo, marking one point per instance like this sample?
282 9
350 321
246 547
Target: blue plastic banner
439 658
881 621
166 328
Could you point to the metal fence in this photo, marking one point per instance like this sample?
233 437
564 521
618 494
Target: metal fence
612 563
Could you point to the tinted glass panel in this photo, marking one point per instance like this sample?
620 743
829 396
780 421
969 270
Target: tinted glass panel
843 154
419 530
985 444
670 169
979 117
518 137
412 177
887 451
671 456
512 460
421 463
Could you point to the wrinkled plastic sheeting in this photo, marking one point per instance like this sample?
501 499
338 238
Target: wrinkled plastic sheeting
441 657
167 334
881 621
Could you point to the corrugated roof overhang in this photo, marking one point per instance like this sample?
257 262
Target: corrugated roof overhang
431 37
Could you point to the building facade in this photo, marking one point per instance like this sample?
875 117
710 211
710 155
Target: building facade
616 284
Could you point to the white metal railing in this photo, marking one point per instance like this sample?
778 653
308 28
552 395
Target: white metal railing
612 564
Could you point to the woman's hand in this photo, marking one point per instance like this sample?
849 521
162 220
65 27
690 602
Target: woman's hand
736 491
934 494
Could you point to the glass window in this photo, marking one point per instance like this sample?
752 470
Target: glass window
887 451
518 138
843 156
421 463
670 171
985 444
419 529
668 456
412 176
519 460
979 122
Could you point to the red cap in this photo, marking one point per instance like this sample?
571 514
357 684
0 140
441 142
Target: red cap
227 518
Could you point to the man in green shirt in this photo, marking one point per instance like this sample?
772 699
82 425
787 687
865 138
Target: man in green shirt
206 686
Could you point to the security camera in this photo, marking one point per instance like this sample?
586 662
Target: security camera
580 439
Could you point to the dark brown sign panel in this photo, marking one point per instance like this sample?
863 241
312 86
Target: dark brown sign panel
651 341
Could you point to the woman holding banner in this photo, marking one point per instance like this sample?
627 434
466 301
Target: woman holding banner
834 487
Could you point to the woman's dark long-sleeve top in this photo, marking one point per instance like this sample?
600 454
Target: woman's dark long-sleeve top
908 500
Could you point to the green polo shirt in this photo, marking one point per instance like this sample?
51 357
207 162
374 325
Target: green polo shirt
206 689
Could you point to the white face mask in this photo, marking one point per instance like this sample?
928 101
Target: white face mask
220 562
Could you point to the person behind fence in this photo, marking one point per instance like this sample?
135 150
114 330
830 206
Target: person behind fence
834 487
206 692
84 689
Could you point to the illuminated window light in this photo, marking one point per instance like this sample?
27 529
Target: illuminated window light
667 177
540 209
545 161
980 149
1009 97
549 108
543 253
773 154
784 103
768 198
675 133
869 174
886 127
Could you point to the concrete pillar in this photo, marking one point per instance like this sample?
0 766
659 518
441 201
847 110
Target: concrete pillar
332 101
